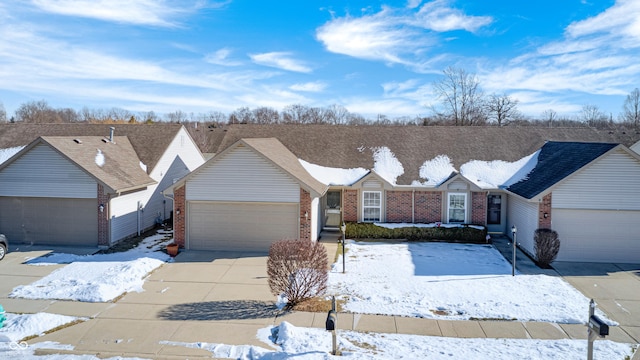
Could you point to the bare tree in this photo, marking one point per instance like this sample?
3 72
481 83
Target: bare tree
3 114
550 116
177 116
266 115
38 112
337 114
631 108
591 115
296 114
501 108
461 97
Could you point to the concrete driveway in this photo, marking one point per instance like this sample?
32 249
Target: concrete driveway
614 287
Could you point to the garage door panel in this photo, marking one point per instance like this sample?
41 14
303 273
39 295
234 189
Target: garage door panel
599 236
49 221
240 226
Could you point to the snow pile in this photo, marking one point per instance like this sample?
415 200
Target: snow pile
449 281
100 158
18 327
313 343
143 166
334 176
435 171
386 164
497 173
96 278
5 154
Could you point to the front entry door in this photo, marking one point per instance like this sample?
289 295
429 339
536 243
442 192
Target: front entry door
332 210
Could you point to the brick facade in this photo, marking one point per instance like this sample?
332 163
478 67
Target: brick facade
305 215
479 208
544 207
399 206
428 206
103 217
350 204
179 214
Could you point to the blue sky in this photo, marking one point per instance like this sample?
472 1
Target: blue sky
373 57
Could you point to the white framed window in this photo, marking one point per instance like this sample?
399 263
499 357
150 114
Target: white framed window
457 209
371 206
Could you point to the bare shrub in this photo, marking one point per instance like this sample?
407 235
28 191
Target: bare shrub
546 246
297 269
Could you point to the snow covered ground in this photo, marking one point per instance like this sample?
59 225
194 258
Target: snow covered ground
96 278
449 281
310 344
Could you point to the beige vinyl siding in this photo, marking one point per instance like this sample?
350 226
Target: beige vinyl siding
458 185
598 235
372 184
610 183
42 172
524 215
242 175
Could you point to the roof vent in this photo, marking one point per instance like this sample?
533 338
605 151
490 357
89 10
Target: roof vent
77 141
111 131
105 140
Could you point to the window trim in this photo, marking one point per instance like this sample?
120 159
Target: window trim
379 207
466 204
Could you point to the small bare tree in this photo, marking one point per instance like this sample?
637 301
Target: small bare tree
461 97
502 108
546 245
297 269
631 108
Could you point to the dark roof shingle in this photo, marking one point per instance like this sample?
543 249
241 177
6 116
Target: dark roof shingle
556 161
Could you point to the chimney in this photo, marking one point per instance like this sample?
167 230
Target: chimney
111 130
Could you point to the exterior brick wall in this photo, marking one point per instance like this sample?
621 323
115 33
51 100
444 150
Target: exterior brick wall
103 217
179 216
399 206
305 215
544 207
350 204
428 206
479 208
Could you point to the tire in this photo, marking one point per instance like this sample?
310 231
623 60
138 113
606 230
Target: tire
3 251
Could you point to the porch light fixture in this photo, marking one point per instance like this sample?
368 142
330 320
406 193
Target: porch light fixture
514 230
177 211
546 215
306 215
101 208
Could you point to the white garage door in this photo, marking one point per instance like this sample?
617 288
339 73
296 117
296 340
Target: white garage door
597 235
240 226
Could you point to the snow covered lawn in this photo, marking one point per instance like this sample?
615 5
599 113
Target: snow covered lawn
18 327
311 343
449 281
96 278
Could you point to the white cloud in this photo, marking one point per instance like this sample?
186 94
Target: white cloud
396 36
221 57
597 56
280 60
314 86
138 12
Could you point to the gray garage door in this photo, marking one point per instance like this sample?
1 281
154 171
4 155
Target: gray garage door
49 221
240 226
596 235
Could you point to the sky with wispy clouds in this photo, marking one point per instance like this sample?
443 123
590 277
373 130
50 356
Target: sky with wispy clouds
373 57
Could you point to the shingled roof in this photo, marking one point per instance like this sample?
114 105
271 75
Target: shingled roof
115 164
353 146
556 161
148 141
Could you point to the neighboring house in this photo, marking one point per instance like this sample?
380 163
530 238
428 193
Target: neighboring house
589 193
402 174
55 190
636 147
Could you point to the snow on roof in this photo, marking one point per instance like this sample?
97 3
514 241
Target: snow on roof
5 154
334 176
386 164
100 158
498 173
435 171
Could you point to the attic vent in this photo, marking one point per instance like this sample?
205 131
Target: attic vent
77 141
105 140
